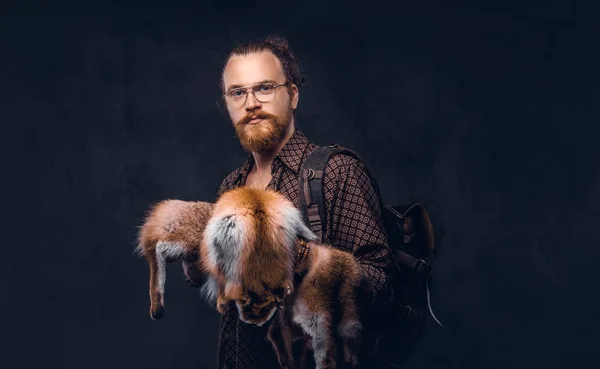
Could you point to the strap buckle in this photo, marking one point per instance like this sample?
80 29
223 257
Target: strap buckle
309 174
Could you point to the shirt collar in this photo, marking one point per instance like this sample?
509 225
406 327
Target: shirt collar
292 153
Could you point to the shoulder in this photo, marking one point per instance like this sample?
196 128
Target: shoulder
347 166
343 160
349 174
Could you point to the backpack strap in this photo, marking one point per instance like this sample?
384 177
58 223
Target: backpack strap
312 197
312 202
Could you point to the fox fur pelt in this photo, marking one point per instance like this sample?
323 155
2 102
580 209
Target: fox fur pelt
173 230
247 246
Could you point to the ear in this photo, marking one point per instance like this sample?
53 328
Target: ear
294 95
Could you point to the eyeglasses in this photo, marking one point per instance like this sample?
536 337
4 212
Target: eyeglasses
263 92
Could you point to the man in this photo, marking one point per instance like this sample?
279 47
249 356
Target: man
261 82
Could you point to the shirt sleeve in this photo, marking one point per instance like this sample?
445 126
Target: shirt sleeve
355 224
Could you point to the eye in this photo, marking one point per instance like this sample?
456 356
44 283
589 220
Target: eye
237 93
265 88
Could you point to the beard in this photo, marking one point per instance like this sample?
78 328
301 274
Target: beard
264 135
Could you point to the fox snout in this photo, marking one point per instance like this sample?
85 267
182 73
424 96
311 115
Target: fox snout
257 314
258 309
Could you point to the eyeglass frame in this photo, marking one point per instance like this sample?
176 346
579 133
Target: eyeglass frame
250 87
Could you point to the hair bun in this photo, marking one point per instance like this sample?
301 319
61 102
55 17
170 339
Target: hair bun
278 42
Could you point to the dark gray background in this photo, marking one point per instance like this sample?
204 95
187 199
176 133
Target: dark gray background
485 113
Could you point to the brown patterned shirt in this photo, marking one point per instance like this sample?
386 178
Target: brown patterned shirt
354 224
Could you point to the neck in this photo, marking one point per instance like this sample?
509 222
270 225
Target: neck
263 159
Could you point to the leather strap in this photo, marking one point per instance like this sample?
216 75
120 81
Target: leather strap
312 197
410 261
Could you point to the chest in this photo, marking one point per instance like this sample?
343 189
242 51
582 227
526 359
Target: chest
281 179
258 180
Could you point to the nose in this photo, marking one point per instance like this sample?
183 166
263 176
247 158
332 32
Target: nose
251 102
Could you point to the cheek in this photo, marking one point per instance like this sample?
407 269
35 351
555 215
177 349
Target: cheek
236 114
279 107
283 106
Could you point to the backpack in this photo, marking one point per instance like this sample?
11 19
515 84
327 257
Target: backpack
411 239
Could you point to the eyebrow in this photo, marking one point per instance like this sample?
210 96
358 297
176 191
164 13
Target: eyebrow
257 83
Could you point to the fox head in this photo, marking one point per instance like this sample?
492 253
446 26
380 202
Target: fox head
251 239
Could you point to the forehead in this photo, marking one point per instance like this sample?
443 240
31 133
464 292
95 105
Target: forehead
243 70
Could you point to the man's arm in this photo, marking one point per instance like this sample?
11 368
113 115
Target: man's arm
355 224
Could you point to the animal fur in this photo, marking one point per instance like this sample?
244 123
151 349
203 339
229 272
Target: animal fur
173 229
253 234
247 246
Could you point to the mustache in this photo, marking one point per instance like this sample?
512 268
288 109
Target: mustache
254 115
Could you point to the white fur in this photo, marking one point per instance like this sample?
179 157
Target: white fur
316 326
210 289
165 251
225 235
295 224
313 323
292 224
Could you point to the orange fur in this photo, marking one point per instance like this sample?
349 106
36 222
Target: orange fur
179 226
247 245
323 305
265 262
